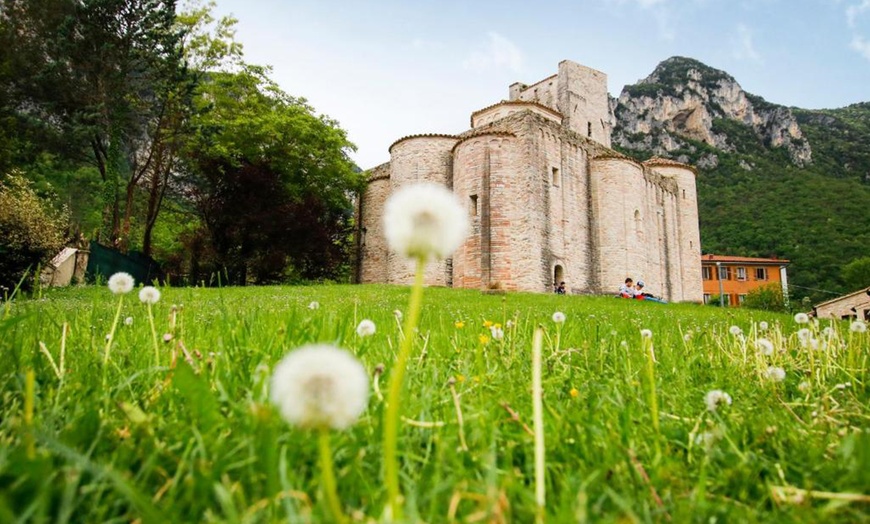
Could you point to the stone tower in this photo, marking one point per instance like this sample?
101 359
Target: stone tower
547 198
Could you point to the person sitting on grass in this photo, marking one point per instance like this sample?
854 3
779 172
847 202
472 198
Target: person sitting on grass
640 294
627 289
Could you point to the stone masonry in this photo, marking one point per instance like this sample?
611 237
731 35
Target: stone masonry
547 198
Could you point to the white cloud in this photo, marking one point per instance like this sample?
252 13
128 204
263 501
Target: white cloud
743 48
497 52
862 46
422 44
856 10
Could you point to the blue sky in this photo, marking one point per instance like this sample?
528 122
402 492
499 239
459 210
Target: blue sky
385 69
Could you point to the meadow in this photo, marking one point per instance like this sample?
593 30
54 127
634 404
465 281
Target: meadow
175 424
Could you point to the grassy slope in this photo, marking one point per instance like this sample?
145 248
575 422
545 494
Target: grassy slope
209 447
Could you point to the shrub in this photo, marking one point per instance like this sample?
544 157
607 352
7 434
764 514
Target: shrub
31 231
767 298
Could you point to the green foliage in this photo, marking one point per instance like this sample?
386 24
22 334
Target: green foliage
200 441
31 231
765 298
856 274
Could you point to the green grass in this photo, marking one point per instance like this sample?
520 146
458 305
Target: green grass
200 442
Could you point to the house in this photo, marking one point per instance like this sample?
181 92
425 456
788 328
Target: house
855 305
734 277
547 198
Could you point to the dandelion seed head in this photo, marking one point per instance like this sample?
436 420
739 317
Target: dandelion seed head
167 337
509 324
804 386
716 398
646 333
765 346
804 334
735 330
497 333
128 321
149 295
397 314
424 221
762 326
313 305
858 326
366 328
801 318
121 283
320 386
828 331
775 373
559 317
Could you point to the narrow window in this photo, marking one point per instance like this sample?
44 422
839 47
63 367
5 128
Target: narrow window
724 273
707 273
740 299
741 273
707 297
556 177
474 205
588 128
761 273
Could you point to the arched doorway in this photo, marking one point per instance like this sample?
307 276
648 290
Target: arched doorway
558 275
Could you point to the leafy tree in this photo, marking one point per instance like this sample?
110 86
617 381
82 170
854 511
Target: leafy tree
767 298
856 273
31 231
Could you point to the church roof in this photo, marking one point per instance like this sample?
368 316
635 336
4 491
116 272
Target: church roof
660 161
421 135
519 103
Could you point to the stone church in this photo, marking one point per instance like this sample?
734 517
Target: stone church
548 200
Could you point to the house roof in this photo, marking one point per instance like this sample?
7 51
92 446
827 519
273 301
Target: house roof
744 260
850 295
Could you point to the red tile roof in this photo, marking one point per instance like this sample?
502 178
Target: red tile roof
748 260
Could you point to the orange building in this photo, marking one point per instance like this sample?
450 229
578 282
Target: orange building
734 277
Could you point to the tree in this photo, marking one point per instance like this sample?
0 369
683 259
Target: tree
856 274
767 298
30 230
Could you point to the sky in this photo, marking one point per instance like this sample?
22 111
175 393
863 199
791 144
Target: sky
391 68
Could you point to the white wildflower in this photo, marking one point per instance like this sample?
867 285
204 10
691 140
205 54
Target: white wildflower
121 283
559 317
319 386
167 337
128 321
765 346
366 328
149 295
314 305
716 398
735 330
801 318
424 221
762 326
804 334
497 333
858 326
645 333
775 374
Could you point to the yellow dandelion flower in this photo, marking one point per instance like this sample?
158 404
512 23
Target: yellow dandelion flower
487 324
459 324
460 378
497 325
483 339
574 393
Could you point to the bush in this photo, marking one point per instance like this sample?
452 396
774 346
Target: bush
767 298
31 231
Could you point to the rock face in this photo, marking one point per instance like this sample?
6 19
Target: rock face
685 99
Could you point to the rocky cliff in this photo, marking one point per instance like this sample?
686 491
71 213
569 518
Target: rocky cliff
684 100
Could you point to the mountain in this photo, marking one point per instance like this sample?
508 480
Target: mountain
772 180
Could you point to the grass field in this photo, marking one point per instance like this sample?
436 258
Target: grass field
85 438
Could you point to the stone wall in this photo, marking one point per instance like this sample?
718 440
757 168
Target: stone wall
370 216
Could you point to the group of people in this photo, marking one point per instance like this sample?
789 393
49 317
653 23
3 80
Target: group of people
631 290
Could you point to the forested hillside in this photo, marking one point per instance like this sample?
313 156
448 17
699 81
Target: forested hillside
772 181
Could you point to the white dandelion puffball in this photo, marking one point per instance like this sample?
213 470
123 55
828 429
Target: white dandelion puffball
765 346
801 318
424 221
646 333
397 314
762 326
858 326
775 374
149 295
121 283
735 330
314 305
497 333
320 386
716 398
128 321
559 317
366 328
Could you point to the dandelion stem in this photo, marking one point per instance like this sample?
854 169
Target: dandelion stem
391 416
651 386
29 379
538 423
110 339
154 337
328 476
